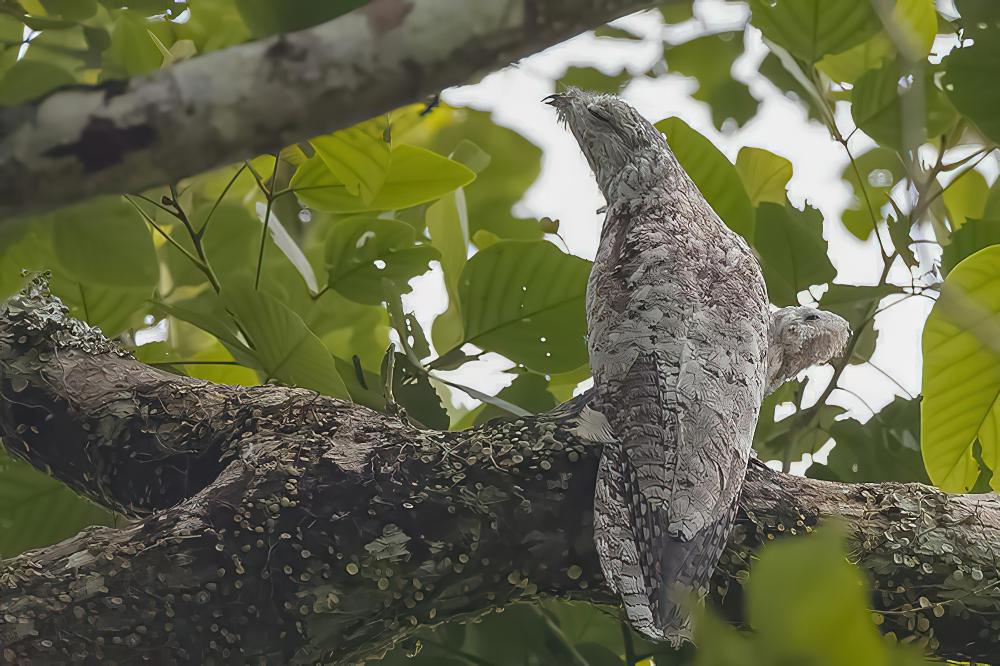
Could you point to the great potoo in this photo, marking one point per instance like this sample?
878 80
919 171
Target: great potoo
678 332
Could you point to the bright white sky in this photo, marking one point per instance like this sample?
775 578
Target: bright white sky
566 189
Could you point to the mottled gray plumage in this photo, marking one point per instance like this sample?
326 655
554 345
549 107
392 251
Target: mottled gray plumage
678 326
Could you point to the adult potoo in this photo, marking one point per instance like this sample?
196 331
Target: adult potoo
678 319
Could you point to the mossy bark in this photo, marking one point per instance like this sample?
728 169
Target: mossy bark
274 525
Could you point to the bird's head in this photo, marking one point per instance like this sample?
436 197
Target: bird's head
806 336
610 132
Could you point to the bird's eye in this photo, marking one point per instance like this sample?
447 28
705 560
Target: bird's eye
598 113
812 317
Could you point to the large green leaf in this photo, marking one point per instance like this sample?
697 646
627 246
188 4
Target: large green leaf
765 175
792 251
529 391
283 347
36 510
714 175
961 375
105 242
970 76
362 252
589 78
810 29
896 115
415 176
783 604
525 300
915 25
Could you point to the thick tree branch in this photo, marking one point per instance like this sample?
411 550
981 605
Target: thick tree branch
126 136
316 529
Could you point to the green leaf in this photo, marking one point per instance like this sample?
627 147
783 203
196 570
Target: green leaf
887 448
415 176
266 17
105 242
362 252
413 390
73 10
714 175
970 76
965 197
810 29
283 347
112 309
525 300
765 175
792 251
514 165
358 157
36 510
29 79
132 49
881 106
915 24
590 78
709 60
973 236
880 170
801 587
961 375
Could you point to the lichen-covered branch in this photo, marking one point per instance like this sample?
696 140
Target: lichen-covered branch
126 136
311 529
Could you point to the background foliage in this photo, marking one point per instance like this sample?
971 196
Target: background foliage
291 268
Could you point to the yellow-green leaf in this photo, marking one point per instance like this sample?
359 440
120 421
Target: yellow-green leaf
965 198
961 374
765 175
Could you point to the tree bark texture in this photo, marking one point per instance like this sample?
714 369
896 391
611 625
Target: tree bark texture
127 136
275 525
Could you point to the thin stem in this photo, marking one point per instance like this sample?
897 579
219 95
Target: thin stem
630 657
170 239
225 191
179 213
267 220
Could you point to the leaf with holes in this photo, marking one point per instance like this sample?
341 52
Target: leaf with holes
961 375
880 169
525 300
363 251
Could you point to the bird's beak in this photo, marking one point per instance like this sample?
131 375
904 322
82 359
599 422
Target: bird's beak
557 100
